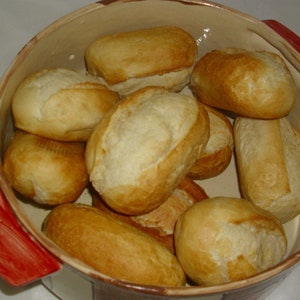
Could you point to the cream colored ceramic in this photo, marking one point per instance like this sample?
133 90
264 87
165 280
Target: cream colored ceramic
63 44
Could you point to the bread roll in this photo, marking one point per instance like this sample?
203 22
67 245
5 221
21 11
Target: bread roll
248 83
111 246
160 222
217 153
221 239
159 56
268 161
46 171
138 155
61 104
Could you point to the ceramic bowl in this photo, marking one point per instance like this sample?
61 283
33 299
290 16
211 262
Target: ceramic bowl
63 44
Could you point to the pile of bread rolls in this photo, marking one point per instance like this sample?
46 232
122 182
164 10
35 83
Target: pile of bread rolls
141 128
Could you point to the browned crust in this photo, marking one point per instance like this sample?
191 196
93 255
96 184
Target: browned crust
213 163
164 49
111 246
255 84
194 193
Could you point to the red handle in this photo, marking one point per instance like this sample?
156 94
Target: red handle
22 260
285 32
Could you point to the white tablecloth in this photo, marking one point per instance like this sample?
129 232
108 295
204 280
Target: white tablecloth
20 20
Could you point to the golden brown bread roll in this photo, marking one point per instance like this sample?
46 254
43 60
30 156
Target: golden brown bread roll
221 239
217 153
139 153
111 246
160 222
44 170
268 163
61 104
248 83
159 56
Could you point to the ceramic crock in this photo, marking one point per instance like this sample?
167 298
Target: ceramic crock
28 254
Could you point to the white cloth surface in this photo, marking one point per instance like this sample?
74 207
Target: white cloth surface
20 20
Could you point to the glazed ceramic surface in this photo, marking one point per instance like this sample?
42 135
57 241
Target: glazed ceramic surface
63 44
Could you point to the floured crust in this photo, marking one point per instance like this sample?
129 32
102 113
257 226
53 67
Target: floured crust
138 155
111 246
268 161
218 151
223 239
248 83
160 222
174 81
61 104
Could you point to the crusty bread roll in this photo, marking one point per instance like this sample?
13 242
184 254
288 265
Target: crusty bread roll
45 171
248 83
217 153
221 239
268 162
139 153
111 246
159 56
160 222
61 104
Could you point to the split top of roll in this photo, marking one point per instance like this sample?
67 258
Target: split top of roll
139 154
61 104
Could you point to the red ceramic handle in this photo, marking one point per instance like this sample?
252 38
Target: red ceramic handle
22 260
285 32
